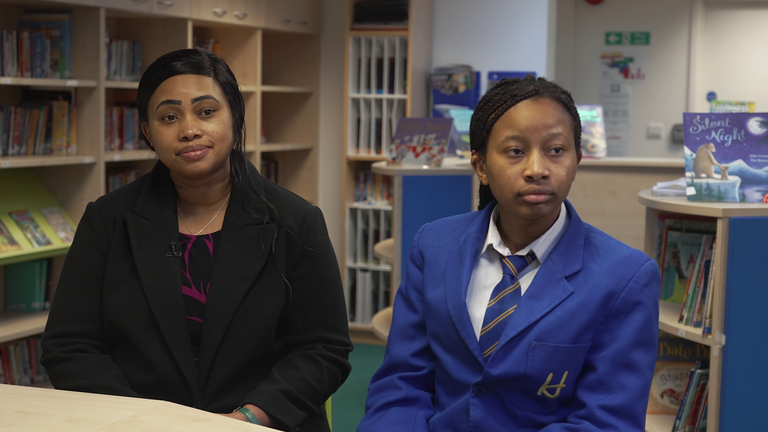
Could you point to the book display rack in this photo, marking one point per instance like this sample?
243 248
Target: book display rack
386 71
738 294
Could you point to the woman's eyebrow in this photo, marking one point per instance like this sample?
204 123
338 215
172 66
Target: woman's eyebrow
203 97
168 102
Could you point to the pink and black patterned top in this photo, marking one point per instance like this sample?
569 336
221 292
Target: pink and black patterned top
196 270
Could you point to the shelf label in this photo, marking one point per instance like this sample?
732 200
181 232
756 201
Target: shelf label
71 83
5 80
681 333
690 190
117 157
720 338
6 164
89 159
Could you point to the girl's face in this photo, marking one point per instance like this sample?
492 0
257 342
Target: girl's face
189 124
530 161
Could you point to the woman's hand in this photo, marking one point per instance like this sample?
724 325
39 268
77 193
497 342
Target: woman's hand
258 412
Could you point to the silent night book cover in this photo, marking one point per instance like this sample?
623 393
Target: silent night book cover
726 156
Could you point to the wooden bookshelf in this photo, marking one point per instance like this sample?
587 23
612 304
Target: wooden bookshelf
276 64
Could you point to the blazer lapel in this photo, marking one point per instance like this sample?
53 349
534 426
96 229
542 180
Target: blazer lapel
152 228
458 271
246 245
550 287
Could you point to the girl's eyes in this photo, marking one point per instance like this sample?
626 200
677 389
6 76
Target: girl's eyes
515 152
557 150
169 117
172 117
520 152
208 112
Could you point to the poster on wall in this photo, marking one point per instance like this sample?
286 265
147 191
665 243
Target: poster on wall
616 100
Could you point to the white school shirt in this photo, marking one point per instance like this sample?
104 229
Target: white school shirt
487 272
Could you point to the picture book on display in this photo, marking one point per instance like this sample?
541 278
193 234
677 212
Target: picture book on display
675 359
30 228
59 223
593 144
726 156
7 242
420 141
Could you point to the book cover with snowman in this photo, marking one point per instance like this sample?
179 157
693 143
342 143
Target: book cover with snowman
726 156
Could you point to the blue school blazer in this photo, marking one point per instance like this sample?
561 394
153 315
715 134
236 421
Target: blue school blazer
577 355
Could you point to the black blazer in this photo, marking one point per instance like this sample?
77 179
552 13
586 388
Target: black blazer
275 332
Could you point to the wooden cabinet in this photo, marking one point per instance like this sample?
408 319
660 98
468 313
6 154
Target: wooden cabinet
293 15
278 72
739 294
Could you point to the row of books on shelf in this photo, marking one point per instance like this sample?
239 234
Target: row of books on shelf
123 60
687 251
118 179
368 293
373 188
20 363
41 48
680 383
122 129
44 123
32 231
26 286
207 43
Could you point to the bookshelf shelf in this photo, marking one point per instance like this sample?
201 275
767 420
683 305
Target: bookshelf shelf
275 147
366 158
46 82
32 254
44 161
659 422
711 209
378 96
367 205
668 316
248 88
285 89
19 325
127 85
381 33
366 266
129 155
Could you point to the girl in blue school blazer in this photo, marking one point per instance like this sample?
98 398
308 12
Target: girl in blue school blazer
578 351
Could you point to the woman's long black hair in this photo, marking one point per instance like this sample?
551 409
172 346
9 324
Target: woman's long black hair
503 96
205 63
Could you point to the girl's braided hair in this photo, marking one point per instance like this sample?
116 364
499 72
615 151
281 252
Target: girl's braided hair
503 96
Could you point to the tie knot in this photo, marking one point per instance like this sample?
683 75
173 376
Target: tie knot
514 264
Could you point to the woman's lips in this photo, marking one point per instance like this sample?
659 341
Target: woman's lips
536 195
194 152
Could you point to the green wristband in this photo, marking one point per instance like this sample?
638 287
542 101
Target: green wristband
251 417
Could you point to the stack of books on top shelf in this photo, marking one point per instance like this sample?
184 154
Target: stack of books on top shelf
44 123
380 15
373 188
20 363
123 60
686 251
209 44
41 48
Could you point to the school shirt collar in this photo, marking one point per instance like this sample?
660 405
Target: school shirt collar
542 246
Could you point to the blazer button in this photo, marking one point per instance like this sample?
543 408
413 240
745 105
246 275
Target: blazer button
479 390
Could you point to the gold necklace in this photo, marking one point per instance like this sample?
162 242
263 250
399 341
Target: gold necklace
209 222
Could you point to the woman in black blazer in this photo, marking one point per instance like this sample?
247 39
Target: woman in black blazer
201 283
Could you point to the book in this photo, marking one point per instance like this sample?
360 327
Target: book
495 76
700 375
593 144
61 23
7 242
420 141
726 156
702 394
680 255
674 361
30 228
25 286
59 222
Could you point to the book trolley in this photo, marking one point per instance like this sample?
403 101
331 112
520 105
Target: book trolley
738 348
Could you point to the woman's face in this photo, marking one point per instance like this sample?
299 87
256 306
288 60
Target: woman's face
189 124
530 160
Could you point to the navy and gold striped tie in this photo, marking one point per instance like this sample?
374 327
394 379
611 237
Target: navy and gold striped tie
503 302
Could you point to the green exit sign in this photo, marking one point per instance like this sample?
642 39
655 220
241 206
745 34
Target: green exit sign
628 38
